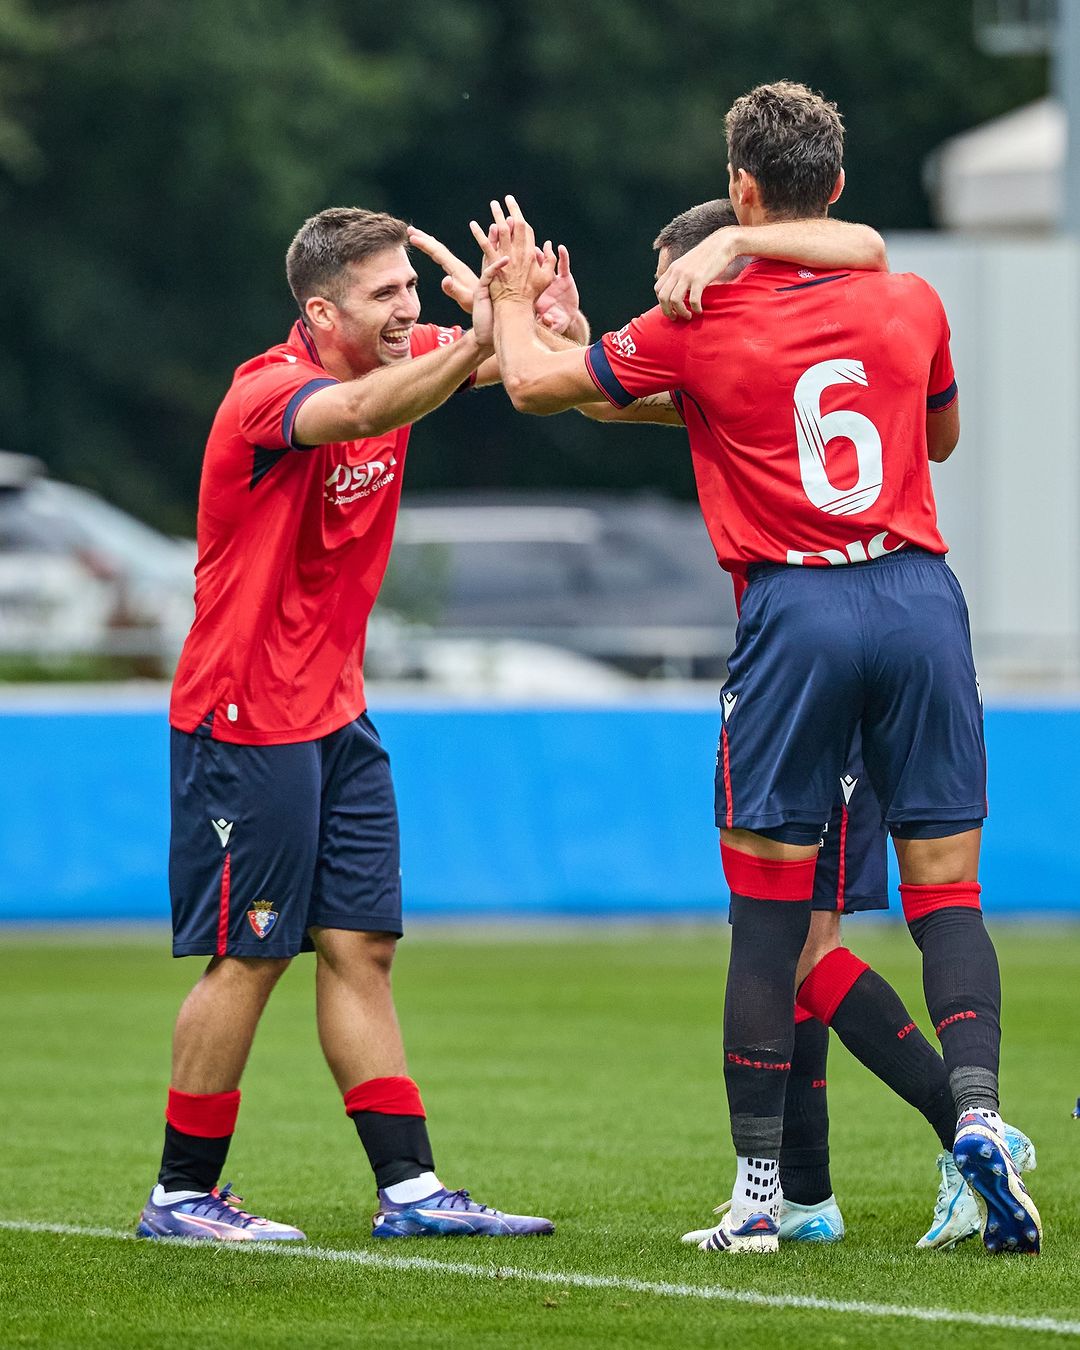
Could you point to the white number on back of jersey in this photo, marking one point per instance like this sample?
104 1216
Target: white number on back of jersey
814 430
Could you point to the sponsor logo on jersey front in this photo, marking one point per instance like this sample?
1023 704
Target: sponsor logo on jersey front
262 916
352 482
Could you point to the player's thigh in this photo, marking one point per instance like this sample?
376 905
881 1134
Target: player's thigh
358 874
853 865
245 822
789 704
923 721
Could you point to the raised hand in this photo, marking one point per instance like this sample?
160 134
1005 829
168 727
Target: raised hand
679 288
461 281
512 238
558 305
482 310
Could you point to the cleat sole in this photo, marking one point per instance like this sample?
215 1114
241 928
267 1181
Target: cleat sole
1012 1222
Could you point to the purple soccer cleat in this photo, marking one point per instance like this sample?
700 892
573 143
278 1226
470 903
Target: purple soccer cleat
216 1217
451 1214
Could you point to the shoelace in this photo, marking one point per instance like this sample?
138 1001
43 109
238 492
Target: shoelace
461 1200
223 1199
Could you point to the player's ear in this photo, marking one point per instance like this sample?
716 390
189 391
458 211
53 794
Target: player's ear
321 314
838 188
742 188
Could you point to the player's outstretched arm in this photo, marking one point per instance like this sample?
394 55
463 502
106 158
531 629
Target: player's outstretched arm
814 243
538 379
557 307
657 409
393 396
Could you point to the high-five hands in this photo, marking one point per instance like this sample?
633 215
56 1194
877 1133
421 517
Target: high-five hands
509 246
558 305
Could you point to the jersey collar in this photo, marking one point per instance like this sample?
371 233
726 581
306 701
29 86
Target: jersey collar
300 340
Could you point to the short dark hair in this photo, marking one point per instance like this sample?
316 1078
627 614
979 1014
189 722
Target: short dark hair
325 245
792 141
681 234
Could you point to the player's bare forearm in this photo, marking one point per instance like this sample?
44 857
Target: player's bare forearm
657 409
389 397
489 373
538 378
818 243
813 243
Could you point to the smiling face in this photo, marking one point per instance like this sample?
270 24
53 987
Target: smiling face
374 317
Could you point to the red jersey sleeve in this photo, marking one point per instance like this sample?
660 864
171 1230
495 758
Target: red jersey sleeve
941 392
270 398
646 356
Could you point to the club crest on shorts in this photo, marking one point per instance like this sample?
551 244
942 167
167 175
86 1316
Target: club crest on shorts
262 916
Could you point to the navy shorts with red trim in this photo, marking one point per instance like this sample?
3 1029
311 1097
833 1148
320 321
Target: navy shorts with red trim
821 650
271 840
852 871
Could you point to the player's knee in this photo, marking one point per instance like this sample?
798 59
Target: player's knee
344 950
259 971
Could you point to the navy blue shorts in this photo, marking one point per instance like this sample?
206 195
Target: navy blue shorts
821 650
271 840
852 871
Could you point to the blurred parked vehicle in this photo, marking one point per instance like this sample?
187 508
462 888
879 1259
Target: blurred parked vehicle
630 581
79 577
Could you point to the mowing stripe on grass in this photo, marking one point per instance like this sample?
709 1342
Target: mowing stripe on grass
717 1293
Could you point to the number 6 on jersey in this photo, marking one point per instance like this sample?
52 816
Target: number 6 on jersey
814 430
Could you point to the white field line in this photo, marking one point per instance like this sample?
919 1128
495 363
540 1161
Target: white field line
575 1280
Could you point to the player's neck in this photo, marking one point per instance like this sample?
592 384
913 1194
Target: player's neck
337 362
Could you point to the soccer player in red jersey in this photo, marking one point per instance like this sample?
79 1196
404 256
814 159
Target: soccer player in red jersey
814 404
284 826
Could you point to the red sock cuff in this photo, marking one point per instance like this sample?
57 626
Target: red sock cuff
398 1096
829 983
207 1115
767 878
801 1015
919 901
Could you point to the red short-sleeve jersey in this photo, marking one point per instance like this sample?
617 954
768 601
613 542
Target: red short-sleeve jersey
293 545
805 398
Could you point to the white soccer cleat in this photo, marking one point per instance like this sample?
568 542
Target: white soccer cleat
797 1223
956 1214
758 1233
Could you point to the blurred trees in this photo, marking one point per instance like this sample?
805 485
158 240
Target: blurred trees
156 158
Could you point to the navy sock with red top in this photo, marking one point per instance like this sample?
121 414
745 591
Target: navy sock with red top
804 1149
962 986
198 1131
390 1119
871 1020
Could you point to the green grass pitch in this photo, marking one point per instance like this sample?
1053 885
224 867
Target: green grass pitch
570 1073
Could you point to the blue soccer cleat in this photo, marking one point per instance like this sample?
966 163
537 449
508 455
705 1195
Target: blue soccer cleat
215 1217
1011 1222
956 1213
758 1233
822 1222
451 1214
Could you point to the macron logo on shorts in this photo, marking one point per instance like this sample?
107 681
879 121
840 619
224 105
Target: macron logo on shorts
223 828
847 787
729 701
